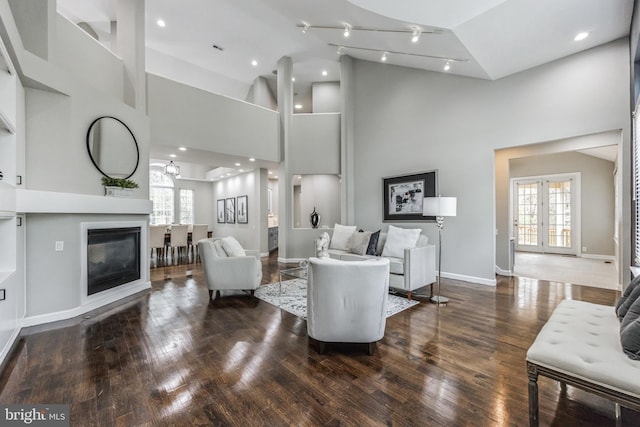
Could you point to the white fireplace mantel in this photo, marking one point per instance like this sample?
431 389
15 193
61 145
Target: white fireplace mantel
36 201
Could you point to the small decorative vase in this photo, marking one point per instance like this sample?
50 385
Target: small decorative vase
314 218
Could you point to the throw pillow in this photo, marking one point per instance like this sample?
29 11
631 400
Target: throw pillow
630 331
372 248
399 239
217 248
341 234
232 247
625 301
359 242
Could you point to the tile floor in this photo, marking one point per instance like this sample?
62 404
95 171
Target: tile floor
569 269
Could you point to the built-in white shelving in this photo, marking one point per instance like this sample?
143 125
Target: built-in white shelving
9 258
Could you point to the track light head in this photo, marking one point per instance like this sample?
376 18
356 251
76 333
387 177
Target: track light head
340 50
384 57
415 36
305 28
347 30
447 66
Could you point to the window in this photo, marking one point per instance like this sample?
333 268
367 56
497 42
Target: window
186 206
636 184
161 195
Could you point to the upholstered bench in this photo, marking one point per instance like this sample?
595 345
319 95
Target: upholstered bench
580 346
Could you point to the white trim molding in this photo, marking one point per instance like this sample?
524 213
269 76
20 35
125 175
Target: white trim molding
470 279
502 272
596 256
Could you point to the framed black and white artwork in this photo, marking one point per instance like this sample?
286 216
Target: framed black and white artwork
230 209
220 211
403 196
242 209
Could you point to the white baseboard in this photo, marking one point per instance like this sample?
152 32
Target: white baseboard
503 272
596 256
7 348
264 254
77 311
472 279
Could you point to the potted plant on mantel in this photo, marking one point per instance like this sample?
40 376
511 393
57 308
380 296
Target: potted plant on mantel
118 187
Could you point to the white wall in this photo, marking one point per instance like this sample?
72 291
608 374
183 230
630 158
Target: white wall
326 97
408 120
87 59
254 234
190 74
596 193
207 121
315 144
321 192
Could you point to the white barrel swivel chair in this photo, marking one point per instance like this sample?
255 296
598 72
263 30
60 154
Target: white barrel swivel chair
347 301
228 266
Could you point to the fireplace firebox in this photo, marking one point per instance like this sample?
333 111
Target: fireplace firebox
113 257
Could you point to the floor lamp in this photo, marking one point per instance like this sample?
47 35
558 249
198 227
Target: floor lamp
439 207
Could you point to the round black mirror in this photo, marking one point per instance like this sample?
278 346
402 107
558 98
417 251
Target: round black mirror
112 147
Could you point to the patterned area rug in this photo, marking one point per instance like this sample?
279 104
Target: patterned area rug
294 298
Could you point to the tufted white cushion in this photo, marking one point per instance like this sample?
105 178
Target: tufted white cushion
583 340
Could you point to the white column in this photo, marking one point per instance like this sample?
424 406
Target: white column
347 140
285 199
130 42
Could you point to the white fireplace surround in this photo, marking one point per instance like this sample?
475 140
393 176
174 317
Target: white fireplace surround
122 291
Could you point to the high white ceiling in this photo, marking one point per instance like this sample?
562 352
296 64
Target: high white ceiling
496 38
490 39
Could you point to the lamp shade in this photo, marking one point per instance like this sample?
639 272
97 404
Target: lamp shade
439 206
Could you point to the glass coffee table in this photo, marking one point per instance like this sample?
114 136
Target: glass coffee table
292 287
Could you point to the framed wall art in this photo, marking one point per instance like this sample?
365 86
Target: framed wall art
402 196
220 211
242 209
230 210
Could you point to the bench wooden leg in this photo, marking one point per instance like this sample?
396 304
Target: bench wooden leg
532 372
409 295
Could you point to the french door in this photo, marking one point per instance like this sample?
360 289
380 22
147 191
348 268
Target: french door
546 214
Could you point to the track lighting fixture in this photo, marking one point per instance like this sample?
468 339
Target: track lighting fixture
384 57
347 30
340 48
447 66
449 60
305 28
415 36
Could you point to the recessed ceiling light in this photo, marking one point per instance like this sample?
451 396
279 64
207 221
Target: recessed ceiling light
161 23
251 159
293 79
324 73
581 36
276 176
237 164
298 106
182 148
241 170
254 63
172 155
270 173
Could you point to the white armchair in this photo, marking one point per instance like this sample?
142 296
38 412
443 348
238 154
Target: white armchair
347 301
240 270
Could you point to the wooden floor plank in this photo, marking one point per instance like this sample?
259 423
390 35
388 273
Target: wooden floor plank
172 357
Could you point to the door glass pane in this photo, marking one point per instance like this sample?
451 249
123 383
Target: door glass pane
528 214
560 214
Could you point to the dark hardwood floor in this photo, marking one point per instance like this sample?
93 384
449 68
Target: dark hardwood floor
171 357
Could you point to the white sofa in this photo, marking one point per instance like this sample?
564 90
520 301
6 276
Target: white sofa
229 272
416 269
347 301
